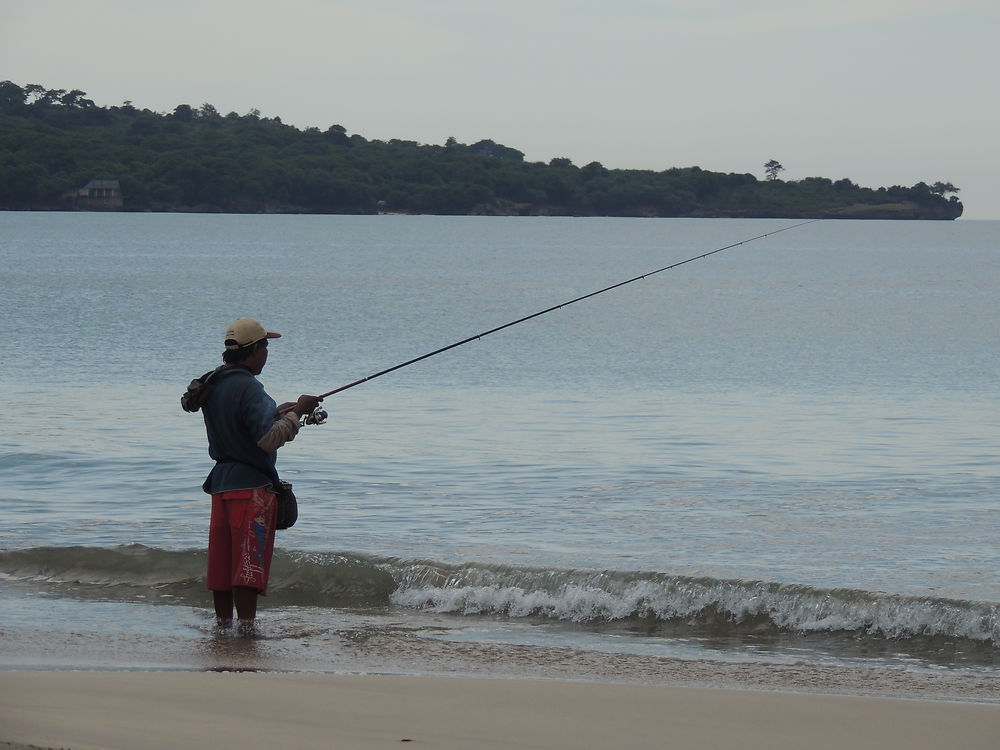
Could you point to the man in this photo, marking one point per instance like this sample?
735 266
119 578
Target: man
245 429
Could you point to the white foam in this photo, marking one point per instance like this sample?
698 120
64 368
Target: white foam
795 609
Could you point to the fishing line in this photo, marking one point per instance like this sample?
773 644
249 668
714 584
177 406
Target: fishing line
561 305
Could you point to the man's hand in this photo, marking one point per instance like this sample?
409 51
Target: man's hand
306 405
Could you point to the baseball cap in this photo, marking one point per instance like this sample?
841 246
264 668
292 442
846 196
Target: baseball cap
245 331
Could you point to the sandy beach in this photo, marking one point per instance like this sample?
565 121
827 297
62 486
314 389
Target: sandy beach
154 710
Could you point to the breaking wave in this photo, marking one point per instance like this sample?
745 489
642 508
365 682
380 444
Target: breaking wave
644 600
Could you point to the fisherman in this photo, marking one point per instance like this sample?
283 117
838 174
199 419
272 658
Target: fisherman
245 429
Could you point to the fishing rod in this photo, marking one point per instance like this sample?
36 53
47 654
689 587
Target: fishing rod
477 336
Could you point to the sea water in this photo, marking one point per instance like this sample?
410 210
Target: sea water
785 452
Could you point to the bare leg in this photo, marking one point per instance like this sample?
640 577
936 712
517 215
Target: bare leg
245 599
223 608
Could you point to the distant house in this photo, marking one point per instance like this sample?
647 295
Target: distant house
99 195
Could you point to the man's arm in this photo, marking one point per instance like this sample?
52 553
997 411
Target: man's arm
286 426
284 430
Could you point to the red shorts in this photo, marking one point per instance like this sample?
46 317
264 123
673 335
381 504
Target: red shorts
241 539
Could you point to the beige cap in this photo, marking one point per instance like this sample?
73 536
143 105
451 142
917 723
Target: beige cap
245 331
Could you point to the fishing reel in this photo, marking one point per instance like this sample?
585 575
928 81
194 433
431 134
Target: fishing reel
317 416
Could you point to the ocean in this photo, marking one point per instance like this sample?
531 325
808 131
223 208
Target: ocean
774 466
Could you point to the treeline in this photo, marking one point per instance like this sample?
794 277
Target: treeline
54 142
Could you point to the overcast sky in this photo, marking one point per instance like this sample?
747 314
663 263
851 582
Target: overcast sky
882 92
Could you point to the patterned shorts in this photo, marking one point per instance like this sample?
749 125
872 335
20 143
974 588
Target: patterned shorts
241 539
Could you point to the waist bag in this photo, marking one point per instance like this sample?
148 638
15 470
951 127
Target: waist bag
288 506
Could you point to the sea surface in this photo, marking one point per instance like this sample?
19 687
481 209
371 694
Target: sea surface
783 458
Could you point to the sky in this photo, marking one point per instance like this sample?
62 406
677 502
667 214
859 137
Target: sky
882 92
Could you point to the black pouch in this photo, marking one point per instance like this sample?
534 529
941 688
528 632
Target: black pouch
197 392
288 506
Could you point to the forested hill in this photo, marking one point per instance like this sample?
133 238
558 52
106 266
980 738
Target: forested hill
59 150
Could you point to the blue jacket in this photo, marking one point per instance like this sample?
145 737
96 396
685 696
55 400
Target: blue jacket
237 414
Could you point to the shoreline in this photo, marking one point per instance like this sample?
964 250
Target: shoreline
856 212
153 710
367 649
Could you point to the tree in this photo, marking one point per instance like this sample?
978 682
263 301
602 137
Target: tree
183 112
488 147
76 98
208 112
943 188
12 96
772 168
337 134
51 96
